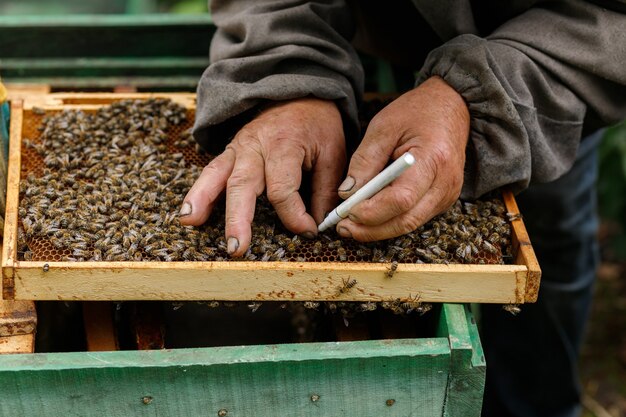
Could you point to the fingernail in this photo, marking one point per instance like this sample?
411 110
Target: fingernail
343 232
354 218
232 245
185 210
347 184
309 235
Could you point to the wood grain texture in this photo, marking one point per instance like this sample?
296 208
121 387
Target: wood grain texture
23 343
17 317
99 328
19 91
267 281
317 379
524 253
466 381
90 101
9 248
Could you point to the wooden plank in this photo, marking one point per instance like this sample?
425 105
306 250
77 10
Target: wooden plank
466 381
147 323
17 317
99 328
373 378
9 248
22 91
23 343
89 101
125 89
524 253
264 281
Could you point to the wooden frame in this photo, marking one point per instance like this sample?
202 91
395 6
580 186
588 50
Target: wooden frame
268 281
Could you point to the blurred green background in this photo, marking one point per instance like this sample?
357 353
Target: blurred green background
59 7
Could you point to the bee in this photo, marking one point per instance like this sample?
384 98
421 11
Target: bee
278 254
291 247
363 252
513 216
423 308
317 248
414 304
38 111
347 285
464 252
512 308
494 238
311 305
436 250
369 306
342 254
96 255
377 255
488 247
254 306
334 244
425 255
395 306
392 269
405 253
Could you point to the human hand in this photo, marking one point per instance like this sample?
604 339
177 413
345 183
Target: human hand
270 153
432 123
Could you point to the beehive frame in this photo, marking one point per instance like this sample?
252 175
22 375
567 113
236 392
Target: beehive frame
238 281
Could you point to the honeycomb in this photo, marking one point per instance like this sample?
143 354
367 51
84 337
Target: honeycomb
469 232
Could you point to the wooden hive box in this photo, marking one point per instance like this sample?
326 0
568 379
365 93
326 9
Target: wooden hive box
268 281
439 375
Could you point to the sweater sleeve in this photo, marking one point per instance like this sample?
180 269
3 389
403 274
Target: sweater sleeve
276 50
531 86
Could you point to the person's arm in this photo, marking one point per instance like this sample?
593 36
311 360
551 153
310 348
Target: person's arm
531 86
268 50
283 84
527 90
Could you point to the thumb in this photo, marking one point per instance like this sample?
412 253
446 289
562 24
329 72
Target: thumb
371 156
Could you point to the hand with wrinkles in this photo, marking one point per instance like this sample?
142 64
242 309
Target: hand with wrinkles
269 154
432 123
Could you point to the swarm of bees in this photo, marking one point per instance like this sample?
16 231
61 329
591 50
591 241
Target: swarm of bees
108 185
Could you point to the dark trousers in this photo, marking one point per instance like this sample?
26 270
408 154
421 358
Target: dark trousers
532 357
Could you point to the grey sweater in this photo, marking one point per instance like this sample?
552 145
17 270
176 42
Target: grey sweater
533 74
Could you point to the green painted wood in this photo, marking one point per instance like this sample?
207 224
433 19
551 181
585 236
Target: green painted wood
467 371
105 36
92 51
151 84
373 378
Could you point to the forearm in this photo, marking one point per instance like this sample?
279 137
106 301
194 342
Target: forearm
530 87
276 51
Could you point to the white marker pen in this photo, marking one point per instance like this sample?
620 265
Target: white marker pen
373 186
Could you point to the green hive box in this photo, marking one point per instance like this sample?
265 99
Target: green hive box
441 375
